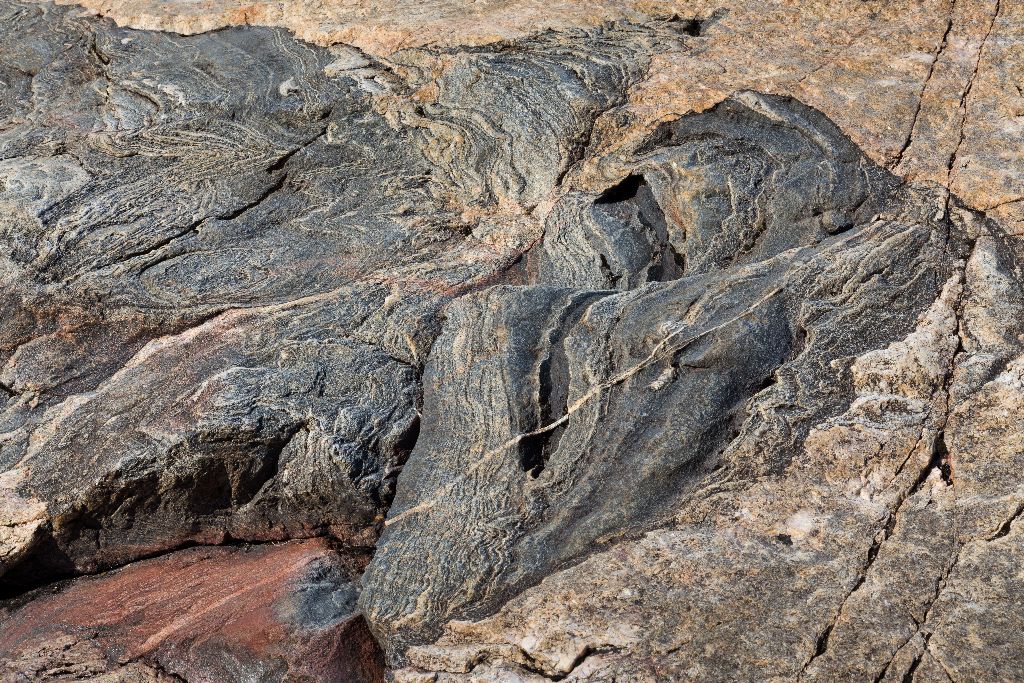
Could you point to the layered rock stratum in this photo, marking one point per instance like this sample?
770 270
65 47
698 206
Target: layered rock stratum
511 341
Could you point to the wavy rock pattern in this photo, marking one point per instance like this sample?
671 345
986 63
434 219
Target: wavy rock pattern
603 436
545 358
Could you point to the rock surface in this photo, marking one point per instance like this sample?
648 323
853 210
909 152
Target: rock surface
267 613
930 88
633 341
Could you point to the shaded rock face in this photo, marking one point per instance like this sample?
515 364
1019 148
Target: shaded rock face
730 401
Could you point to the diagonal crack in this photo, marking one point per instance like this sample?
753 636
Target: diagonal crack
908 677
940 586
939 461
822 642
965 96
924 86
1004 528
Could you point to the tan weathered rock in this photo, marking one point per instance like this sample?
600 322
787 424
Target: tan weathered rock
378 28
926 89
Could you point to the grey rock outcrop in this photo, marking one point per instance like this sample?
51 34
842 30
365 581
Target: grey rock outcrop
727 400
560 420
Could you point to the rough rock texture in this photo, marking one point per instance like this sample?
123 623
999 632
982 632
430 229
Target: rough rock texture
269 613
931 88
633 341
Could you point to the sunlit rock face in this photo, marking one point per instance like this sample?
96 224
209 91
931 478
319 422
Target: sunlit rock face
510 343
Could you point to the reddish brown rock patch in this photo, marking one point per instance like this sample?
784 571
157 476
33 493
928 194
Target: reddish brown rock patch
273 612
